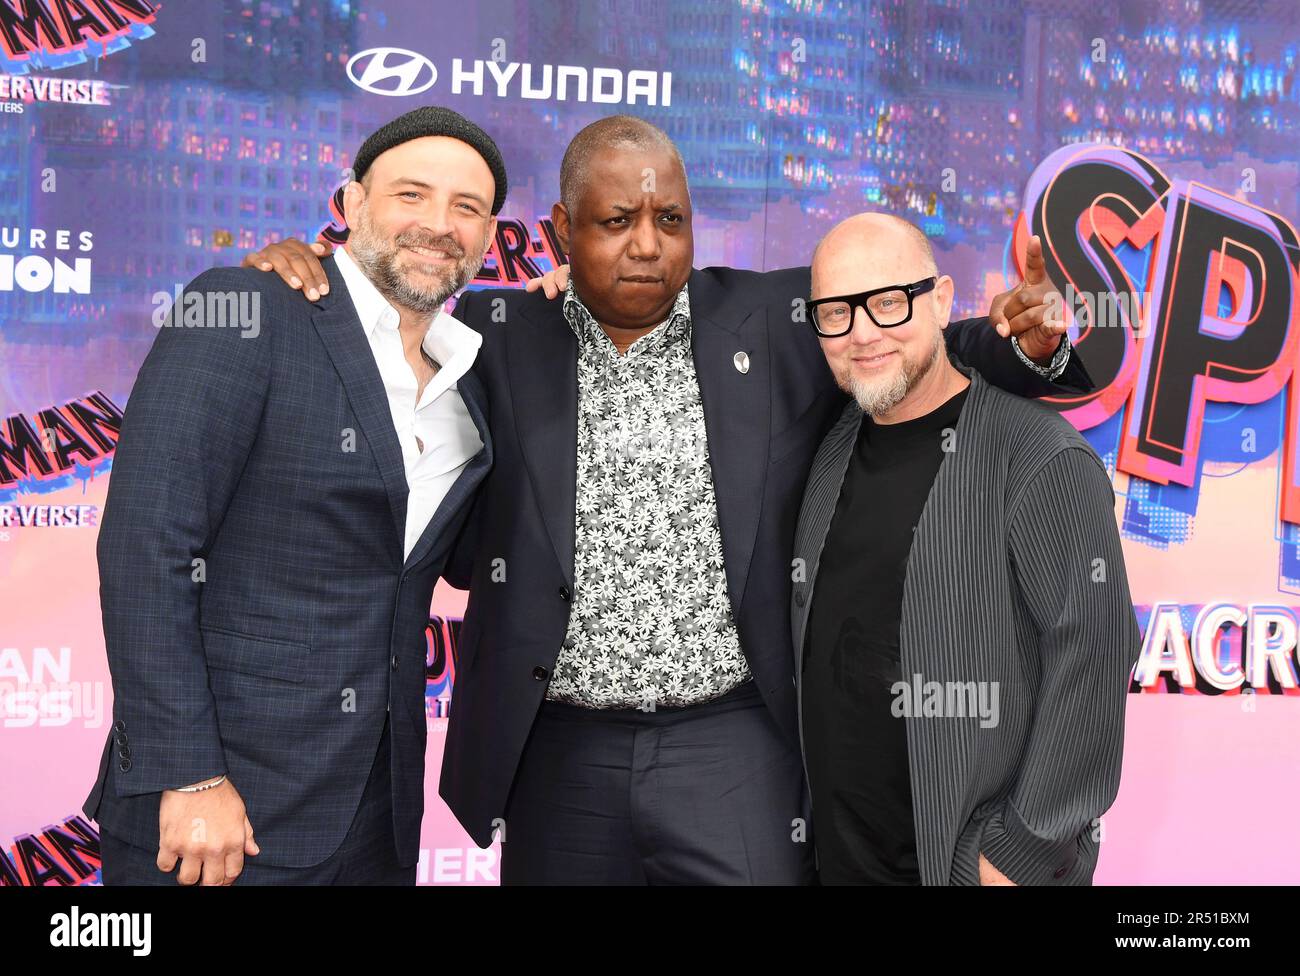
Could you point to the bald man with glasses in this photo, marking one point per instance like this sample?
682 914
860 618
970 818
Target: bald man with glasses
963 631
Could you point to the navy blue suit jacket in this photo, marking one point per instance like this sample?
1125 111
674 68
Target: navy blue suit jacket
268 469
763 427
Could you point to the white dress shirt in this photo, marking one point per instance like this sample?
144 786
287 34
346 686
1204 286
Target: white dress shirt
437 434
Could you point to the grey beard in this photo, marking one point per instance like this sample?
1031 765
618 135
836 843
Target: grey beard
880 398
378 260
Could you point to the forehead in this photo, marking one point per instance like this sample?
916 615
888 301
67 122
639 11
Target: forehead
621 172
438 161
861 261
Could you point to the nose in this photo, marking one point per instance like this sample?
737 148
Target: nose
436 221
864 330
644 244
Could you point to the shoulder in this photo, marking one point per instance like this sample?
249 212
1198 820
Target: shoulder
223 304
261 295
1032 436
267 284
782 294
1022 425
488 309
763 286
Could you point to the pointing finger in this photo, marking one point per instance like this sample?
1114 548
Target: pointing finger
1035 265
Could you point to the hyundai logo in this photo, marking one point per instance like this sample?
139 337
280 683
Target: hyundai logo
391 71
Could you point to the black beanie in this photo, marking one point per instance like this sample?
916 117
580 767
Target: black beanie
433 120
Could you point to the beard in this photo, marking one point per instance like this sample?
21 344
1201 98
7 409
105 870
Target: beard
878 397
379 257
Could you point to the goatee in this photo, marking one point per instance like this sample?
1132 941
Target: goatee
880 397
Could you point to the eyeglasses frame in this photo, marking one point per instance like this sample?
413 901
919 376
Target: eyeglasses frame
860 301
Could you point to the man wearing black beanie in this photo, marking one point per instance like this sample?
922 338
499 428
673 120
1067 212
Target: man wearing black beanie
284 498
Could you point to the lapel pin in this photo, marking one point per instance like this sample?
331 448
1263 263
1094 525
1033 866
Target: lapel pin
741 359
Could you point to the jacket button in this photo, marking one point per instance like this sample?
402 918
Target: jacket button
565 594
124 752
119 725
539 673
394 662
124 765
120 738
798 599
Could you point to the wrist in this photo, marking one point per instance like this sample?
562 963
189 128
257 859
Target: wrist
1045 359
1055 363
205 784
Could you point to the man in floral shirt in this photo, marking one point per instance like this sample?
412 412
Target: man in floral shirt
624 708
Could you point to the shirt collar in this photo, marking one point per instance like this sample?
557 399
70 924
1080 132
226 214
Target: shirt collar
449 342
372 307
676 326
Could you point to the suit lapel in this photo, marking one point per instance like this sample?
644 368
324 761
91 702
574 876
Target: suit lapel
345 341
542 362
471 391
737 416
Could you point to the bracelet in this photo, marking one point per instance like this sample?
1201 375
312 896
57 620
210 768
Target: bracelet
1053 369
200 789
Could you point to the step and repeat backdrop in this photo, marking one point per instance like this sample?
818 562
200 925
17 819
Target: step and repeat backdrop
1151 143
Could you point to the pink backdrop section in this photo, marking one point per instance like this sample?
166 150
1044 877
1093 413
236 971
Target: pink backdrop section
49 589
1207 794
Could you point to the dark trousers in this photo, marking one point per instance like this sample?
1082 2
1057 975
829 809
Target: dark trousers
367 856
707 794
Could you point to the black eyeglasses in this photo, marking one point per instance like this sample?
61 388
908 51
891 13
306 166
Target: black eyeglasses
887 307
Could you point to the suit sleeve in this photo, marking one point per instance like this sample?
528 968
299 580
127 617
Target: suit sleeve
1069 569
187 432
977 344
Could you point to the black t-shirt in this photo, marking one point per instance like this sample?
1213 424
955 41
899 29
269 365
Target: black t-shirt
856 749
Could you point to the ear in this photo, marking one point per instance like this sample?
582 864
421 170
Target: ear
943 296
354 195
492 233
560 218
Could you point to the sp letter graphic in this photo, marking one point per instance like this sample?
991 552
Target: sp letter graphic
1214 313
